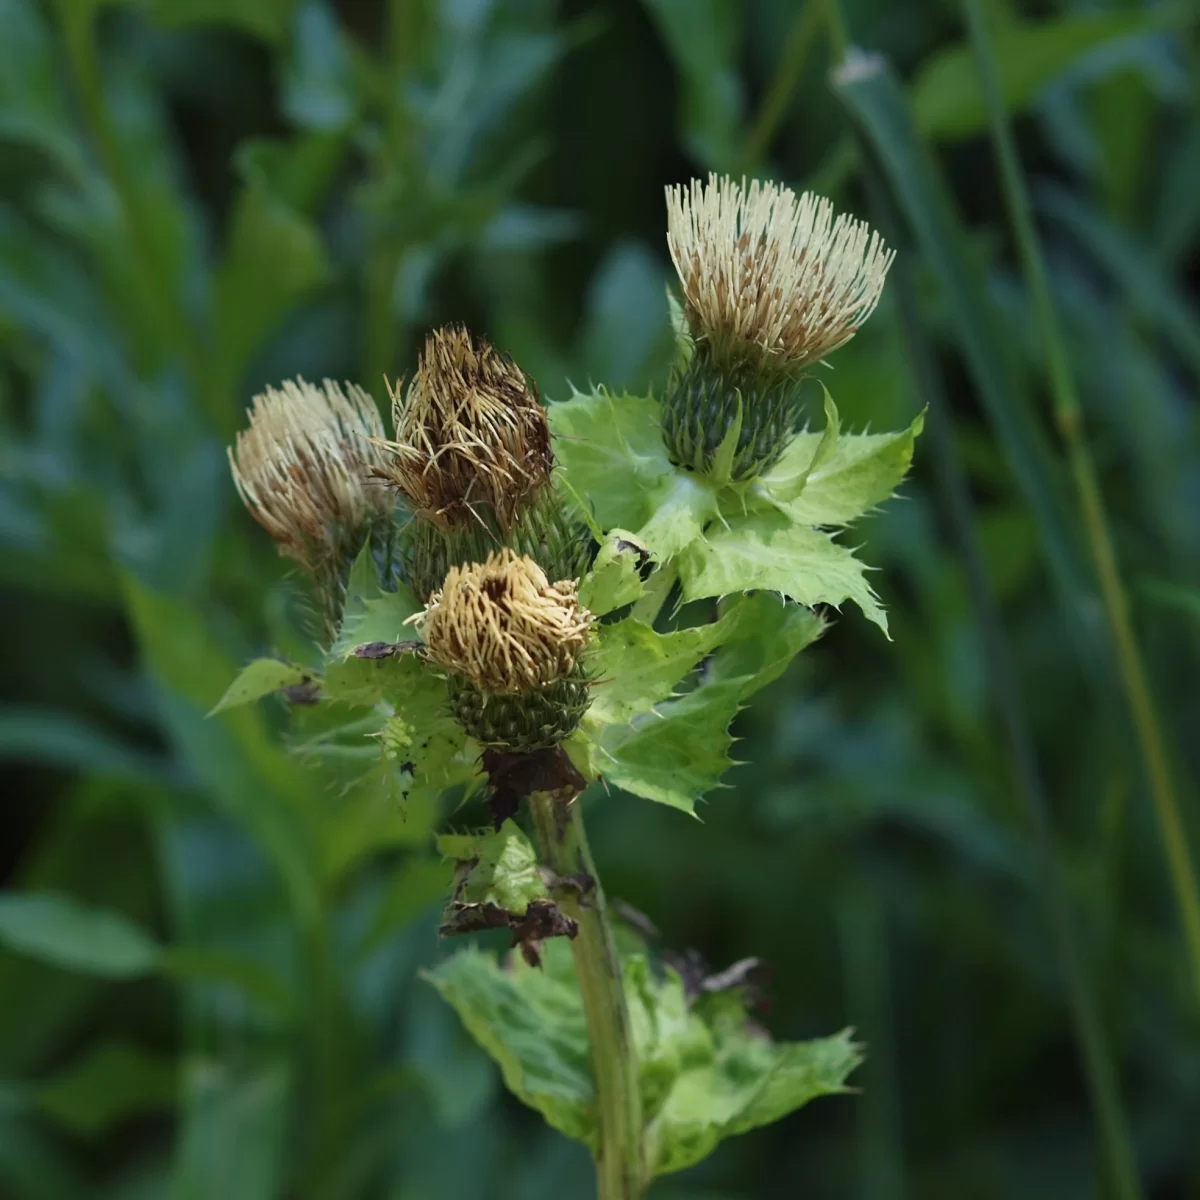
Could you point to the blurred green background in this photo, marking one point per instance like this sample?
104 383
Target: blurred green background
201 196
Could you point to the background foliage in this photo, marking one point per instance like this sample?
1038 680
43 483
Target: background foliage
209 975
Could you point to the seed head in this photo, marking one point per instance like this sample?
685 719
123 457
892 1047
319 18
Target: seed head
470 434
303 468
768 277
504 626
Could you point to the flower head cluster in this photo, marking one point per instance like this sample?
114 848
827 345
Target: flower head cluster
303 469
770 277
469 434
504 626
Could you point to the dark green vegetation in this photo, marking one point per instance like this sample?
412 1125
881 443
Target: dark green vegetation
200 196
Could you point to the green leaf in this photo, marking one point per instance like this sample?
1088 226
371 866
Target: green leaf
682 504
260 678
400 678
501 868
635 667
371 614
858 472
948 101
266 19
806 454
110 1084
674 754
58 930
611 451
769 632
768 551
616 575
734 1080
530 1020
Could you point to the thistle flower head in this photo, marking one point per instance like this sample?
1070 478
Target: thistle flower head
769 277
504 626
303 469
470 433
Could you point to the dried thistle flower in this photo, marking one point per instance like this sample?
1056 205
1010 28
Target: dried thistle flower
303 469
504 626
471 438
769 276
513 643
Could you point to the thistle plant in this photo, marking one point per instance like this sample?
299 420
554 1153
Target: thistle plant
537 644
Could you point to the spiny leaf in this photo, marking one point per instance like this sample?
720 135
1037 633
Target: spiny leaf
371 614
841 483
766 550
616 575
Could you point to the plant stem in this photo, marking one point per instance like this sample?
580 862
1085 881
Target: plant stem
564 849
1069 419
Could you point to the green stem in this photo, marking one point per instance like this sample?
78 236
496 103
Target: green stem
564 849
1069 419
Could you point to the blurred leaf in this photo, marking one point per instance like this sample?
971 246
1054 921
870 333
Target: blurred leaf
273 259
371 614
232 1143
266 19
260 678
946 96
58 930
1173 595
300 170
68 742
703 38
33 107
317 83
766 550
615 578
416 884
627 338
530 1020
110 1084
255 980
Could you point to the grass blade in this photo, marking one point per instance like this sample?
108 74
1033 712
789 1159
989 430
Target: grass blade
1068 415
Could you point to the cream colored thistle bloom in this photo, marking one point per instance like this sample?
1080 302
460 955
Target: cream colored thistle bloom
470 432
504 626
303 469
771 276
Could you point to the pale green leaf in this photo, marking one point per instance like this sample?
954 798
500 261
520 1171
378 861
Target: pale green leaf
260 678
767 551
675 753
59 930
610 449
683 504
805 454
616 575
399 678
502 868
739 1080
635 667
861 471
531 1022
370 613
769 632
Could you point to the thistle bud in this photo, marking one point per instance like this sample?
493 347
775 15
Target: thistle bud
513 644
472 456
303 469
772 283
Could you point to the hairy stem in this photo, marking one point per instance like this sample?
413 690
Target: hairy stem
564 849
